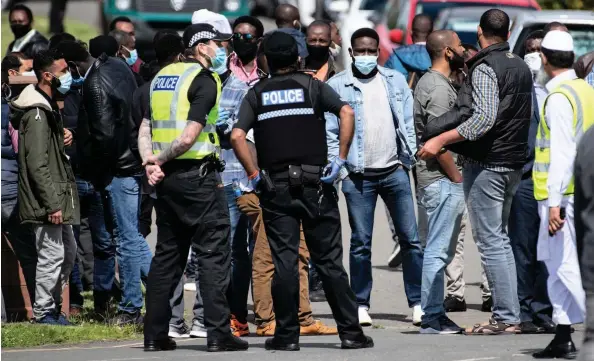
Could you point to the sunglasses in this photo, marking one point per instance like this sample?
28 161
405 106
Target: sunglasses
244 37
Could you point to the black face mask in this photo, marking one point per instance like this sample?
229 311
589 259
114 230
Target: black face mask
318 55
456 62
20 30
246 51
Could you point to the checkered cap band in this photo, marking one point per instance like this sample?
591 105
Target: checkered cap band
201 35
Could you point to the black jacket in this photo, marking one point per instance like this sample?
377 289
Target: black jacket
112 145
506 144
36 44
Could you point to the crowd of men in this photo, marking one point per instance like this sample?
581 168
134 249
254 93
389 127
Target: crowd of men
240 139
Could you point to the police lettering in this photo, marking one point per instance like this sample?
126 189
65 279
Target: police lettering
166 82
278 97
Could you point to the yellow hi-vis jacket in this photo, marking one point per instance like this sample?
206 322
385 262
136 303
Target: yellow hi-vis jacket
170 107
581 96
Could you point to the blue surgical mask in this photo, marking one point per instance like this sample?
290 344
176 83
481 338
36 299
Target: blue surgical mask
133 56
365 63
65 82
219 62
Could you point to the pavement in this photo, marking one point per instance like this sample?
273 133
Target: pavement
394 335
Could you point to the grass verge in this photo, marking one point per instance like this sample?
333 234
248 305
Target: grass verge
85 328
80 30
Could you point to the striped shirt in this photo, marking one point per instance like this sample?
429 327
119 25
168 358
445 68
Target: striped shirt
590 78
485 102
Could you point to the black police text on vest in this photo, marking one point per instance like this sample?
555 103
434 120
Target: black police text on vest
289 130
506 144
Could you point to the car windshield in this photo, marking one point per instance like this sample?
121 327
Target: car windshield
432 9
583 38
375 5
465 28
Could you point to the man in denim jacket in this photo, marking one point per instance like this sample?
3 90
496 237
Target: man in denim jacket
377 164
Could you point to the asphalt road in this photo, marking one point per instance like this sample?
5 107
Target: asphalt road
395 337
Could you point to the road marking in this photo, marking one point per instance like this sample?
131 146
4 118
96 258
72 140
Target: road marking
479 359
83 348
177 356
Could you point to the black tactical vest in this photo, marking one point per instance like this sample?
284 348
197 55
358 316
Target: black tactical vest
506 144
290 129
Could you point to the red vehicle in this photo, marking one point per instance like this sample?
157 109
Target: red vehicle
397 23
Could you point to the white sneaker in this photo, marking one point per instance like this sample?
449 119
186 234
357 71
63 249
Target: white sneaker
364 319
417 314
198 331
179 331
190 286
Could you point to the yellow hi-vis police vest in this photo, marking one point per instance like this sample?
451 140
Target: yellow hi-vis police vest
170 107
581 96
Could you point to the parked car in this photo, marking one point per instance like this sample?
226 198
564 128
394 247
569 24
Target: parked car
396 26
464 21
149 16
579 23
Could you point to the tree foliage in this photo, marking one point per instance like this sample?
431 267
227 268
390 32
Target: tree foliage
567 4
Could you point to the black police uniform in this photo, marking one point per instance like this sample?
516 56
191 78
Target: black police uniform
286 113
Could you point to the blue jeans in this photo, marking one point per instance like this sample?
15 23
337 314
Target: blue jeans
489 197
524 223
443 202
241 263
134 255
361 196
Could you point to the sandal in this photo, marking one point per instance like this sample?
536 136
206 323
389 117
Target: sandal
491 328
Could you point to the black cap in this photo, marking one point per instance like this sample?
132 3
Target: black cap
196 33
281 50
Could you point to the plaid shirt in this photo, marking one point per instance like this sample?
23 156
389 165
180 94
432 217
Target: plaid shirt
232 95
485 102
590 78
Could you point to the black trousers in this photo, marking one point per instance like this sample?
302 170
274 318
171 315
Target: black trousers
283 212
145 219
191 211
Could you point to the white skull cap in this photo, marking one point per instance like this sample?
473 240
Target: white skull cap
218 21
558 40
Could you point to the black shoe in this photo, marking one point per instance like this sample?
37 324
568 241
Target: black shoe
352 345
546 323
452 304
160 345
565 350
317 295
229 343
487 305
125 318
529 327
274 344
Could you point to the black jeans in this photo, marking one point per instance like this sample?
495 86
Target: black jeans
283 212
524 223
191 211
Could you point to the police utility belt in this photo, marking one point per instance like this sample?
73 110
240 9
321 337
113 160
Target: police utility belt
206 165
297 176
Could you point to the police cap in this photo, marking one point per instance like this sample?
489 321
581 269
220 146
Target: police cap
281 50
197 33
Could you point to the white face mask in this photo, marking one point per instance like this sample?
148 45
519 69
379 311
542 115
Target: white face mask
533 61
28 73
335 51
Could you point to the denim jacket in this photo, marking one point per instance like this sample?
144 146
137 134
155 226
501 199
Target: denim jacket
401 103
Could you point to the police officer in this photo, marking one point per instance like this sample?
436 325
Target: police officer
181 158
286 113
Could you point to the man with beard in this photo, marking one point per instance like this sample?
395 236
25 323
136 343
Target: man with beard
26 39
566 115
319 39
440 189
